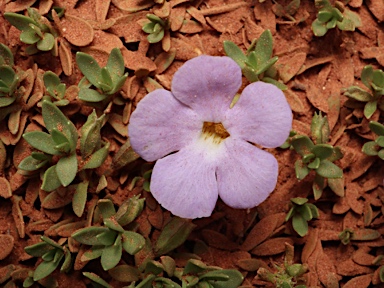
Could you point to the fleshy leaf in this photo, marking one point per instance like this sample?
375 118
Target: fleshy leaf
88 235
329 170
66 169
89 67
234 52
51 180
111 255
80 198
41 141
132 242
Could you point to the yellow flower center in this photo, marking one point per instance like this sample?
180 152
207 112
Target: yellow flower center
215 131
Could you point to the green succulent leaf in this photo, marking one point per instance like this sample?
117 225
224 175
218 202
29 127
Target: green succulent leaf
322 151
329 170
132 242
6 56
97 279
264 48
302 144
320 129
367 75
337 186
370 108
89 67
301 169
91 95
111 255
31 164
55 119
107 238
8 76
148 27
299 200
97 158
156 36
173 235
234 52
300 225
21 22
324 16
41 141
38 249
88 235
90 134
47 43
66 169
111 223
115 65
51 180
129 210
80 198
46 268
234 280
106 207
376 128
93 253
358 94
318 28
51 80
314 164
29 36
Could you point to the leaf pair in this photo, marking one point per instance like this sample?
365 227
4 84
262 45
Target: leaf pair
374 81
329 17
109 240
301 212
155 28
108 80
257 63
35 30
373 148
52 254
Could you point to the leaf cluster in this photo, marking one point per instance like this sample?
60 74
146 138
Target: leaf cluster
55 89
358 234
107 80
155 28
257 63
301 212
52 254
288 275
9 80
35 30
330 16
318 157
109 240
58 157
374 81
286 11
375 148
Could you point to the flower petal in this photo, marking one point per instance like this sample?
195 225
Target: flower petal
207 84
262 116
185 183
161 124
246 175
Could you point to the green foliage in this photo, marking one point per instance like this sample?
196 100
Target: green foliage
60 141
286 276
373 148
55 89
52 254
58 155
318 157
330 16
287 11
108 241
155 28
194 274
358 234
35 31
301 212
107 80
257 63
374 81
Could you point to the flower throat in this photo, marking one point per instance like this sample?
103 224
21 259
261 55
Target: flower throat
215 131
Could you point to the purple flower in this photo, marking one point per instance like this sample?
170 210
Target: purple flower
212 142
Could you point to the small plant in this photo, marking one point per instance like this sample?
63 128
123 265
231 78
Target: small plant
60 142
9 80
374 81
108 241
330 16
55 89
107 80
287 276
375 148
301 212
57 151
52 254
318 157
358 234
286 11
257 63
156 28
35 30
